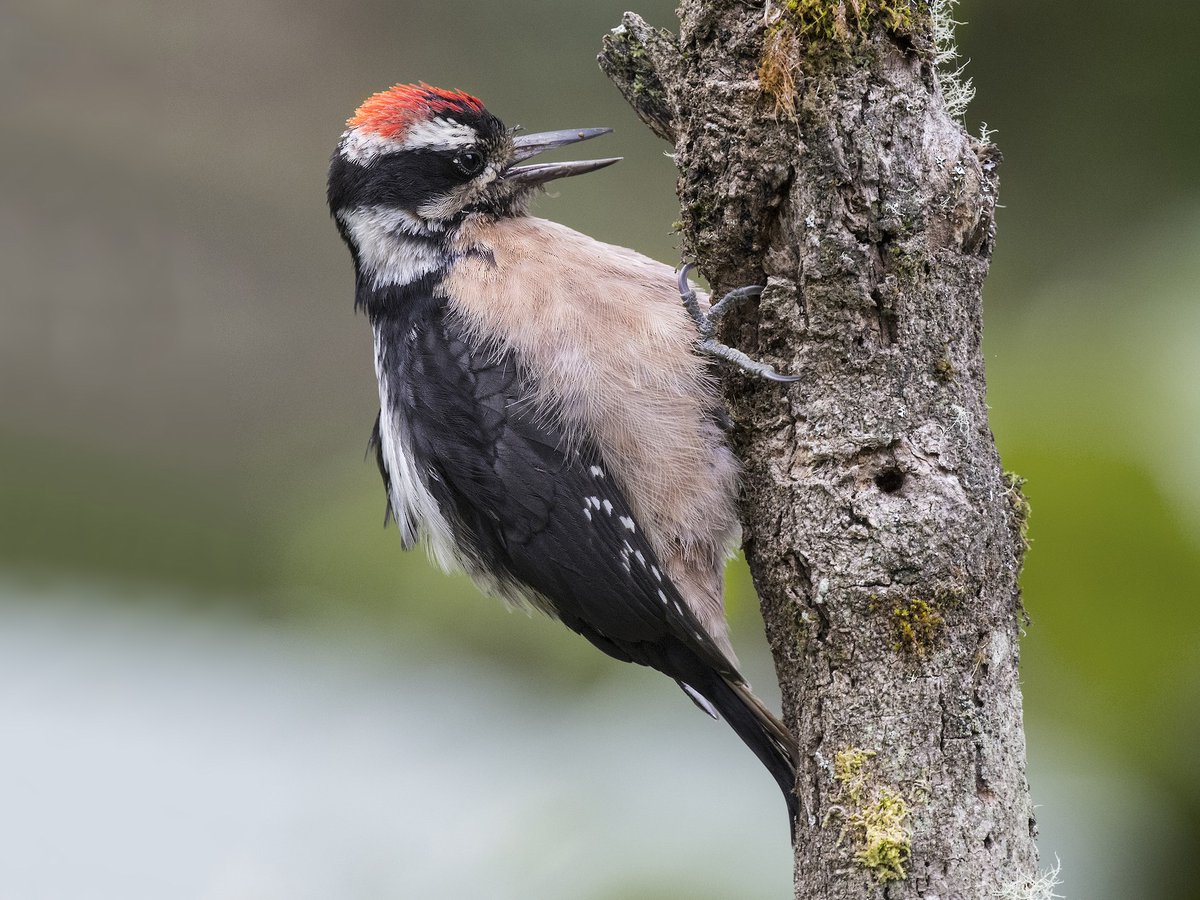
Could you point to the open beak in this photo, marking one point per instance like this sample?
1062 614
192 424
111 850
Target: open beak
529 145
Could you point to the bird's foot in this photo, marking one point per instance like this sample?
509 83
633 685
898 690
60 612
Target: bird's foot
707 322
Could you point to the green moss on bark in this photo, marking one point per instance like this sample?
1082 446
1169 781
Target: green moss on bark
802 32
916 625
1019 504
876 816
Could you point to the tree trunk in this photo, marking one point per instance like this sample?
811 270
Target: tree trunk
817 156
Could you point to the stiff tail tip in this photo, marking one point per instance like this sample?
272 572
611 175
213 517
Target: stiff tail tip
767 737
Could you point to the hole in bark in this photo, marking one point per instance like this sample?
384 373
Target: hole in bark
890 480
987 842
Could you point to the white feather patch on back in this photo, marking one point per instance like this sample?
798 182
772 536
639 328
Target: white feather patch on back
415 510
417 514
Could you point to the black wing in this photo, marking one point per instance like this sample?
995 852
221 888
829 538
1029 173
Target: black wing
541 511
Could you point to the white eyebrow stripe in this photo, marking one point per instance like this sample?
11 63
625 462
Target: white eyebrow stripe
439 133
361 146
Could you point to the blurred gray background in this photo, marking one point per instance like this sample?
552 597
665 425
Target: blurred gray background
219 676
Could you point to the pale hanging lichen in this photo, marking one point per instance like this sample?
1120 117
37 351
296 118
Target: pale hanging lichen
957 89
1040 888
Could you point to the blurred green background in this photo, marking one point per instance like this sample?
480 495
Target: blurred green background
220 677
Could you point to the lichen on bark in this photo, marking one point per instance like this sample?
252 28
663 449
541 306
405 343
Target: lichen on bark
867 211
874 815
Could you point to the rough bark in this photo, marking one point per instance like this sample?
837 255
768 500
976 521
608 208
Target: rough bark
816 156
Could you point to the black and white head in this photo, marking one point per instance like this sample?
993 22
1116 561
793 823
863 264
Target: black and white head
417 160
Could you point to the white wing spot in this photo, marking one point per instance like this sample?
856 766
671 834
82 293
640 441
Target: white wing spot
641 559
587 512
608 507
656 573
662 596
597 472
594 501
628 523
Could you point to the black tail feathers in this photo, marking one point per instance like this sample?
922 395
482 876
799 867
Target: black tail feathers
759 730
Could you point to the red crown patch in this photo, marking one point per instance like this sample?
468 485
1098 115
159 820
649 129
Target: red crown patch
389 113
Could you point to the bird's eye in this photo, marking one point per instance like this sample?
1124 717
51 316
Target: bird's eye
469 162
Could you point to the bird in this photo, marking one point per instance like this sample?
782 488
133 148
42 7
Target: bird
549 419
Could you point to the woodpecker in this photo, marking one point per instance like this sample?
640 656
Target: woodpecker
548 420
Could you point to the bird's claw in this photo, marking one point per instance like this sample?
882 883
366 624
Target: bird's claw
707 322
